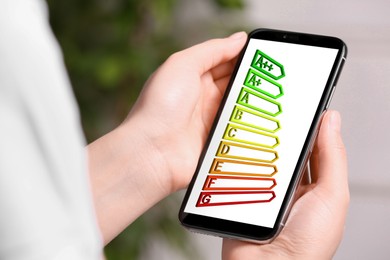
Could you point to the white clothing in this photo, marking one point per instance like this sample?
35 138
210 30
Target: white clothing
46 209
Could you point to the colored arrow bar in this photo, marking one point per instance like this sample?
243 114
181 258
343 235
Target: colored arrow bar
238 183
241 168
265 64
253 99
234 198
250 136
249 117
246 152
263 84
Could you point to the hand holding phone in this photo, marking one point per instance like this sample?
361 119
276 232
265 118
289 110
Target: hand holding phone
315 226
263 135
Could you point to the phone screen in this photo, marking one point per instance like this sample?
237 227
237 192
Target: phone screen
262 129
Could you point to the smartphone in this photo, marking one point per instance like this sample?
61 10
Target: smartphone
263 135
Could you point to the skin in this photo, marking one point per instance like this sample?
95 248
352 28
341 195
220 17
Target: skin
315 226
154 152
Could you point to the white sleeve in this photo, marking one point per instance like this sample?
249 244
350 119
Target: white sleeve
46 209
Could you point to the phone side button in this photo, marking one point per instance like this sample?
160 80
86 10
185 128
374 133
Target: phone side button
330 97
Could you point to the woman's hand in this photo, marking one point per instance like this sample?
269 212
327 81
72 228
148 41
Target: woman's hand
316 223
156 149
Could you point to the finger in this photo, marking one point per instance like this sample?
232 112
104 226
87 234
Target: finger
314 158
314 163
222 76
332 168
222 84
224 69
304 185
306 178
209 54
235 249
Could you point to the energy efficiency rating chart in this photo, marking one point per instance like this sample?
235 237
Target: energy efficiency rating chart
243 168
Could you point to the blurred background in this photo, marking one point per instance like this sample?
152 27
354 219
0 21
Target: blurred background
112 46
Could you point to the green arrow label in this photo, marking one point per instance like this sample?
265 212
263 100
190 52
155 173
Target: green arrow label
265 64
263 84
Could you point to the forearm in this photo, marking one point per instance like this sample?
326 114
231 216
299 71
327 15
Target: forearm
124 177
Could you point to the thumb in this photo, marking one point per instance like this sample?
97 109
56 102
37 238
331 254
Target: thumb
332 168
207 55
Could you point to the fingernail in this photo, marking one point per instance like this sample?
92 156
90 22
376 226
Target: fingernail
335 120
237 35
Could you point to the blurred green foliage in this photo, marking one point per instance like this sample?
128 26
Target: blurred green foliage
233 4
110 48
